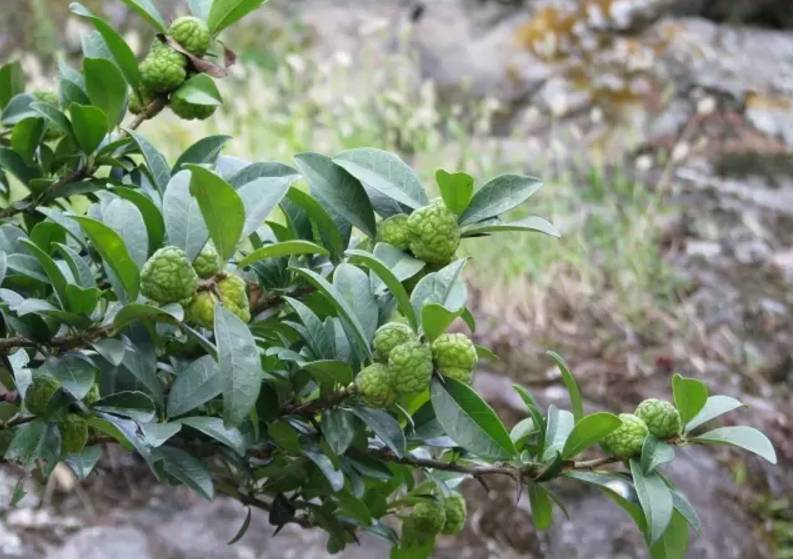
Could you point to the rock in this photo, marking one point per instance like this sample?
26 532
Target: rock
105 542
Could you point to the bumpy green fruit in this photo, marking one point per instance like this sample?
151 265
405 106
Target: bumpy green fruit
661 417
413 537
373 386
40 392
201 310
190 111
627 439
428 517
455 356
434 234
394 231
192 33
139 100
390 335
46 97
410 367
163 69
168 276
207 263
74 433
456 511
93 395
234 296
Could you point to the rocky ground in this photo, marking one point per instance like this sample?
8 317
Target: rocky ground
694 99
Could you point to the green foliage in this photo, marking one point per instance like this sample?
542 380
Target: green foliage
248 308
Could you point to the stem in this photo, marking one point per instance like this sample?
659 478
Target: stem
150 111
309 409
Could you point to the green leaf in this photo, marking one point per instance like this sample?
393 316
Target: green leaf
75 373
106 88
36 441
690 396
655 498
682 506
457 189
531 223
444 287
435 320
135 312
385 173
713 408
328 229
152 218
184 224
286 248
335 477
385 273
148 11
533 408
353 285
188 470
199 383
747 438
589 430
121 52
330 372
402 265
576 401
215 428
12 82
260 197
199 90
55 117
54 273
284 435
340 303
224 13
126 220
470 421
12 162
557 431
26 137
18 109
247 522
156 163
541 506
203 152
239 364
133 404
338 428
222 208
200 9
655 453
498 196
674 543
82 463
90 126
157 434
384 426
338 190
617 489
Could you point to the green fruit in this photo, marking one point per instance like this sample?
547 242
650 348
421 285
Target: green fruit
201 310
455 356
234 296
74 433
390 335
410 367
412 537
45 96
394 231
434 234
456 511
661 417
40 392
93 395
163 69
626 440
190 111
168 276
428 517
207 263
230 292
373 386
192 33
139 100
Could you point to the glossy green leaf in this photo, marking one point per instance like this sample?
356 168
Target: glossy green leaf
559 426
215 428
457 189
148 11
541 506
435 320
655 498
444 287
674 543
334 476
714 407
690 396
384 426
221 207
82 463
197 384
286 248
224 13
135 405
617 489
260 197
589 430
199 90
12 82
239 364
54 274
470 421
75 372
37 441
327 228
184 224
747 438
106 87
90 126
498 196
200 9
187 469
655 453
156 163
26 136
152 218
134 312
576 402
203 152
531 224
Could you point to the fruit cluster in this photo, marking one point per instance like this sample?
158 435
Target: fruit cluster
169 277
658 418
432 517
404 364
431 233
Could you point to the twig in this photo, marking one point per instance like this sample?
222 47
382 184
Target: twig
309 409
151 110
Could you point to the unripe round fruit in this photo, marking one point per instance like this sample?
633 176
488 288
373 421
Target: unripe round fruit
93 395
191 33
190 111
626 440
661 417
74 433
168 276
234 296
412 536
455 356
207 263
139 100
394 231
40 392
372 384
455 508
410 367
390 335
201 310
434 233
428 517
230 292
163 69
